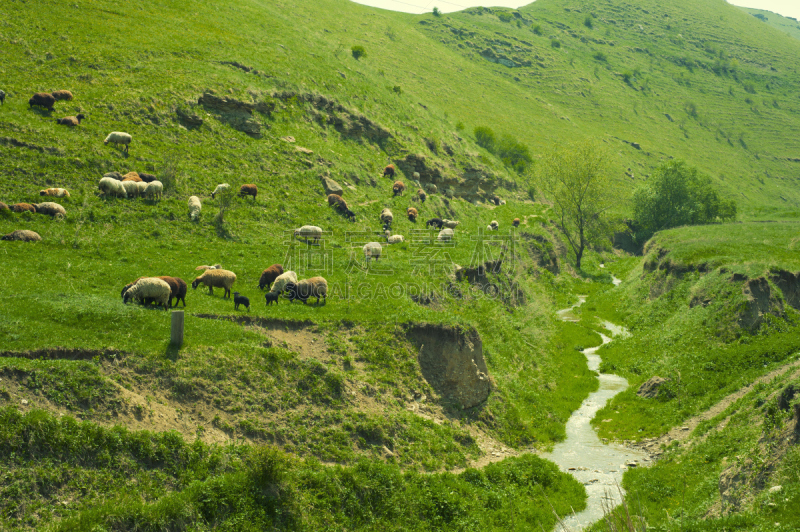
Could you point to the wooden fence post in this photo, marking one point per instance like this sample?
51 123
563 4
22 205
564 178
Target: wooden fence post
176 331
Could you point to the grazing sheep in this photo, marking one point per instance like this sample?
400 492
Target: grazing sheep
435 222
194 207
118 137
269 275
23 235
177 289
154 189
493 225
141 187
421 195
54 192
42 99
445 235
398 188
132 176
502 202
216 278
515 223
450 223
433 189
372 250
51 209
309 232
128 286
306 288
147 178
248 190
335 200
2 97
149 288
62 95
70 121
109 185
131 188
412 214
23 207
272 297
350 215
114 175
214 267
416 176
282 280
220 188
394 239
389 171
240 300
387 217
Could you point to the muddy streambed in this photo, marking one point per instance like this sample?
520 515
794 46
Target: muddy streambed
598 466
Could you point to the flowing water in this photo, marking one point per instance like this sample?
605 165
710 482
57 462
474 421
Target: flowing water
599 466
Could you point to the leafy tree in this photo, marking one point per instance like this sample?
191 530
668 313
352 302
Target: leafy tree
436 12
676 195
358 51
576 179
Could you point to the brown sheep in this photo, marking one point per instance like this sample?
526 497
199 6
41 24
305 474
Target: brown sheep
55 192
515 223
132 176
4 207
248 190
22 234
421 195
412 214
70 121
42 99
147 178
398 188
23 207
177 289
269 275
62 95
335 200
389 171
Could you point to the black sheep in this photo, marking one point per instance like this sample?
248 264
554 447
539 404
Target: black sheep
3 97
271 296
240 300
435 222
147 178
42 99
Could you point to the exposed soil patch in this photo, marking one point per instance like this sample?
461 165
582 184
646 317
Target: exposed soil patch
63 353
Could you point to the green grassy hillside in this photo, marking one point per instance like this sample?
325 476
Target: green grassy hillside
788 25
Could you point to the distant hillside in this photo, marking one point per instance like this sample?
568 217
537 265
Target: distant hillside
789 25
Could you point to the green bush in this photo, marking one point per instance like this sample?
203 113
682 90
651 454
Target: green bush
588 22
436 12
397 89
555 43
358 51
485 138
537 29
504 17
600 56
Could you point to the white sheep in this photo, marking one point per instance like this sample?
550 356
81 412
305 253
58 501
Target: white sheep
141 187
308 232
117 137
494 224
109 185
205 267
387 217
394 239
445 235
194 207
282 280
51 209
151 288
220 188
372 250
154 189
131 188
216 278
450 223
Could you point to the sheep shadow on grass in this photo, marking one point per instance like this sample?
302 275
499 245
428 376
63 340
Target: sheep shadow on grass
41 111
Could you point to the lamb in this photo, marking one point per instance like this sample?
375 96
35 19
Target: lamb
279 285
386 218
248 190
51 209
272 297
3 97
62 95
515 223
109 185
269 275
151 288
132 176
177 289
131 188
70 121
194 207
450 223
421 195
55 192
214 267
42 99
398 188
445 235
389 171
306 288
216 278
23 235
412 214
372 250
240 300
23 207
147 178
394 239
435 222
118 137
309 232
154 189
220 188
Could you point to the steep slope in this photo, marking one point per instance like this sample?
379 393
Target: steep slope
788 25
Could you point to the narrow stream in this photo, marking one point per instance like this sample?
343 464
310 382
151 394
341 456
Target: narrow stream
599 466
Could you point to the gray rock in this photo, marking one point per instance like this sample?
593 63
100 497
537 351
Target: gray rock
651 387
331 186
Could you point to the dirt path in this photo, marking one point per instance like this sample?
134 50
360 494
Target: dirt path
682 433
